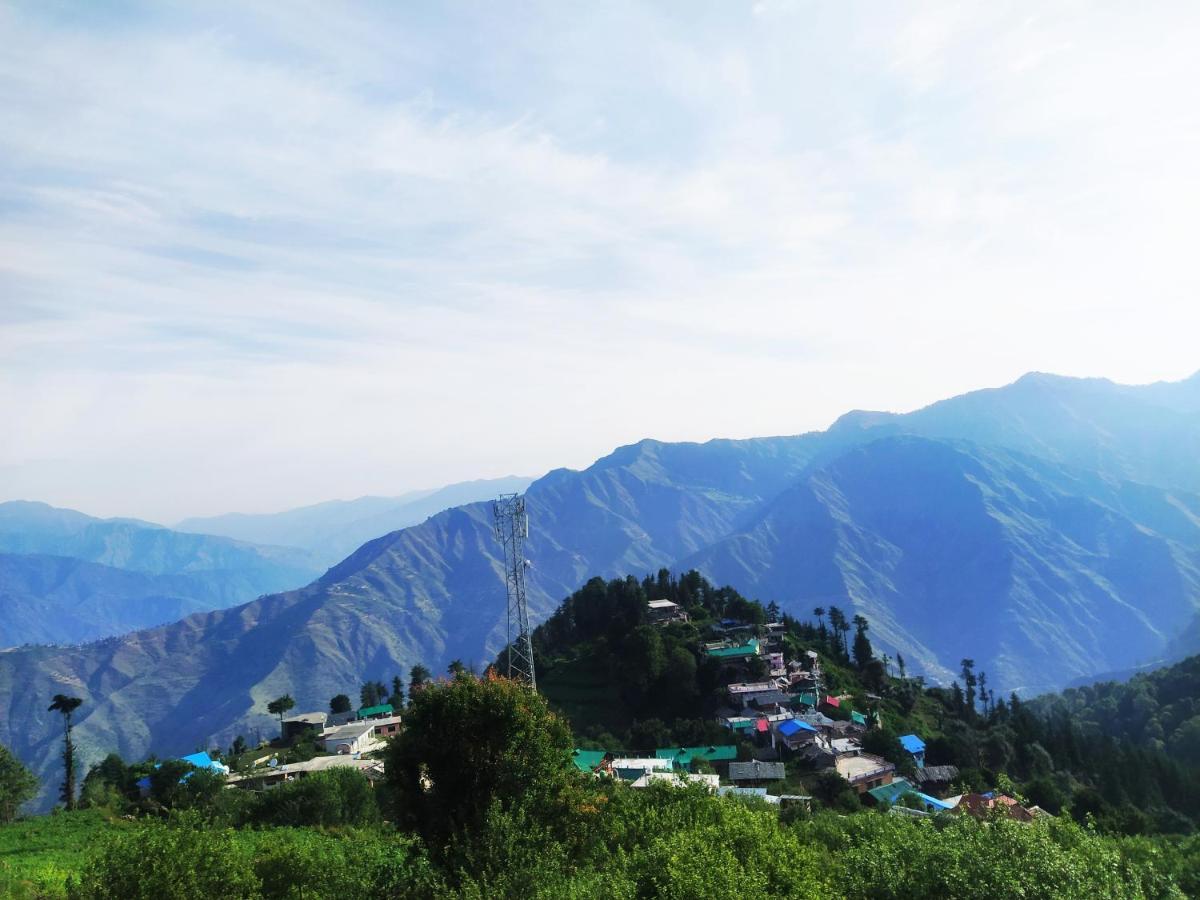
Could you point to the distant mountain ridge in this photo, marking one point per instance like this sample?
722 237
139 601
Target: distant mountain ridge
168 574
332 530
1008 526
57 599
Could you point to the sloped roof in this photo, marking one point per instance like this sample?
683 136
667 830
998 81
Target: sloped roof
383 709
587 760
202 760
749 648
792 726
757 771
833 701
936 774
312 718
858 718
912 743
684 756
890 793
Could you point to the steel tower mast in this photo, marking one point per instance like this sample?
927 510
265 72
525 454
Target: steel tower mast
512 528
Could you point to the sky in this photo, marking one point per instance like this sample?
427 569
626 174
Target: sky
256 255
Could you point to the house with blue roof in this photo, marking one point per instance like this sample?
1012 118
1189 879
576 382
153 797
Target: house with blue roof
793 733
199 760
916 748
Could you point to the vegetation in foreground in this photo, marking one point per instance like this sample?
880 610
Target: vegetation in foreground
483 802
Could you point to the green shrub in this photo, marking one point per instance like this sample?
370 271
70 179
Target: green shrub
337 797
168 862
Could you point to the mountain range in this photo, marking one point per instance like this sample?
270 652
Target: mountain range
142 574
1049 530
67 577
330 531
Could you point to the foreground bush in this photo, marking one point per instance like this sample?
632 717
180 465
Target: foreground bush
187 859
337 797
169 862
887 857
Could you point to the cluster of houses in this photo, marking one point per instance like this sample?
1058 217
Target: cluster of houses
782 709
345 737
779 707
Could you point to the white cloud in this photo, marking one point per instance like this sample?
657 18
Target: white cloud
257 257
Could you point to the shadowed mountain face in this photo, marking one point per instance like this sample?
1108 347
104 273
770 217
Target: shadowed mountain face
956 549
1022 541
67 577
55 599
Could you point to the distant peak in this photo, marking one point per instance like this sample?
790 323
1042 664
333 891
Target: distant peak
861 420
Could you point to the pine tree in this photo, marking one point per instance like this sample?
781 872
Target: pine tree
863 652
968 674
67 706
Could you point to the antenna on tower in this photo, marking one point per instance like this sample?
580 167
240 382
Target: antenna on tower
512 528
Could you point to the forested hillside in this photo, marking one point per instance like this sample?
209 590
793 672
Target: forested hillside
629 686
1158 710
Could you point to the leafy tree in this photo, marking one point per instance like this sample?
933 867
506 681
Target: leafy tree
900 665
279 707
471 744
456 668
835 791
17 785
340 703
238 747
67 705
167 782
337 797
110 783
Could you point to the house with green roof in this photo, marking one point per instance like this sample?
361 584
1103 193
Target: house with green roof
683 757
375 712
587 760
746 649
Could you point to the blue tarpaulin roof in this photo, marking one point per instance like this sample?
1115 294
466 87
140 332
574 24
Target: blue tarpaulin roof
912 743
791 726
933 802
200 760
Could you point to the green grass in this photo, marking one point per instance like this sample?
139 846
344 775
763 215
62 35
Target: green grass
37 854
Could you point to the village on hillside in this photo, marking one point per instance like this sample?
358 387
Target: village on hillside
785 729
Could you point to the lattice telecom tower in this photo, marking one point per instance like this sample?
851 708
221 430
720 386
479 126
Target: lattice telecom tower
512 528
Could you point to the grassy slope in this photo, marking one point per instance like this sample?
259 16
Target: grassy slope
37 854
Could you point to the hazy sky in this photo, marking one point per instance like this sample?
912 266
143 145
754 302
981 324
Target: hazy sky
258 255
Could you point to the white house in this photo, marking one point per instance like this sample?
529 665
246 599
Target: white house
662 611
355 737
